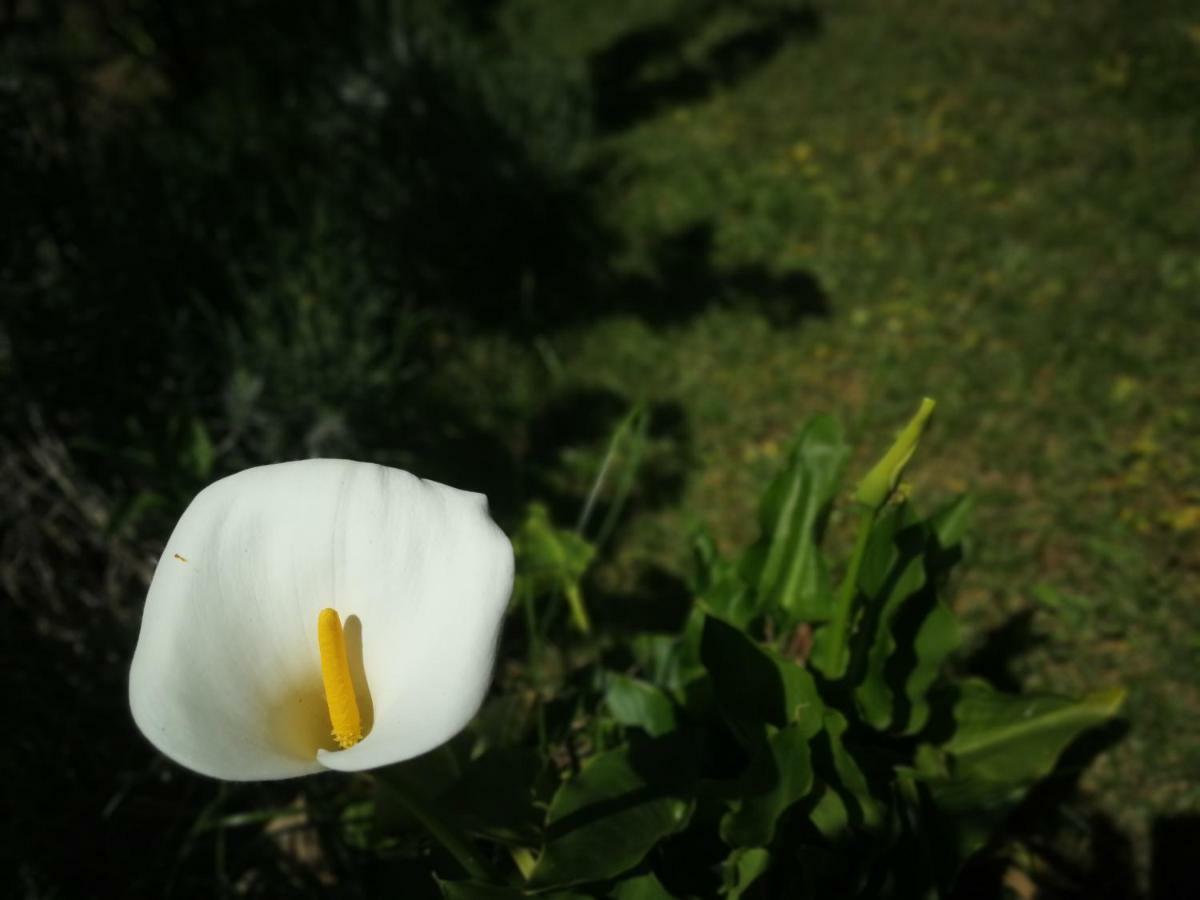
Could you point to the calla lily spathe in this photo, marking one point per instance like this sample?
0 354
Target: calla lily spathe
227 675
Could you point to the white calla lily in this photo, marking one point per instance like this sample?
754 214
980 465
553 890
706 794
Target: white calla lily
227 675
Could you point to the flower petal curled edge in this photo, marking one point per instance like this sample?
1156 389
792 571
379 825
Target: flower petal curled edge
226 677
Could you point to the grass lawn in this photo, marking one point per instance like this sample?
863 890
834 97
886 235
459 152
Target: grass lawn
857 204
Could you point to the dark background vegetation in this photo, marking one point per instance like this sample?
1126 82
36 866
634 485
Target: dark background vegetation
467 238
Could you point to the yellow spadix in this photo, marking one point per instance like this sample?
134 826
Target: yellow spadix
335 673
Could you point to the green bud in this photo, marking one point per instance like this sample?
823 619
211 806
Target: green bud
874 490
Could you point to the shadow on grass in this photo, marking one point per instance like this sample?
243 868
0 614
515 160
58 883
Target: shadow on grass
1000 648
645 71
1173 864
683 272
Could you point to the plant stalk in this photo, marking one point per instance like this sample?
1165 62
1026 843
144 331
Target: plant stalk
836 656
579 615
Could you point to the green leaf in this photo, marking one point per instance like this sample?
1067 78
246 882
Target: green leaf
773 706
705 558
474 890
358 825
742 869
607 818
494 796
1002 744
917 861
427 776
926 630
779 775
642 887
950 522
639 704
410 795
896 537
847 801
670 660
200 452
936 638
785 566
730 598
477 890
718 584
893 570
907 631
625 449
753 684
551 562
1014 738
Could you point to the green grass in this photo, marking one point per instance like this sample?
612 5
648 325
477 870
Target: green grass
999 203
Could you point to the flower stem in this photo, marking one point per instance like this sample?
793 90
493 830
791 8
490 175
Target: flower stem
836 657
579 614
446 833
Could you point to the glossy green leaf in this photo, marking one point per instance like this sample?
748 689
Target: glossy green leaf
936 638
950 522
893 570
830 814
907 631
603 821
753 684
896 536
638 704
640 887
1014 738
846 801
929 627
779 775
1002 744
785 567
926 630
475 890
742 869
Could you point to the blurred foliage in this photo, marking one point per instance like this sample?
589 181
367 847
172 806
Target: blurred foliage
552 563
270 218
